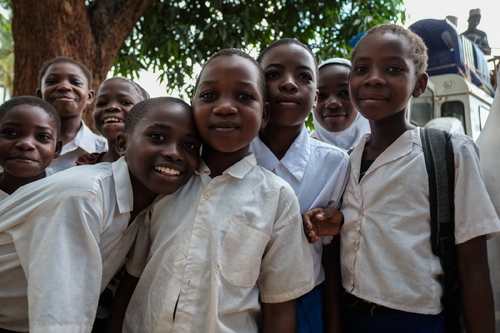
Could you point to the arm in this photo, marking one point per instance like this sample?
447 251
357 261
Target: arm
332 287
120 303
279 317
475 286
322 222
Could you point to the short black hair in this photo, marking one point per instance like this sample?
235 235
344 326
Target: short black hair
239 53
140 90
140 110
58 60
34 101
286 41
418 48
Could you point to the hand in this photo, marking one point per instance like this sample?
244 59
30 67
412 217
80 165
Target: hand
322 222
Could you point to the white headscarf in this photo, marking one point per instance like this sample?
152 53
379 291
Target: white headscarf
350 136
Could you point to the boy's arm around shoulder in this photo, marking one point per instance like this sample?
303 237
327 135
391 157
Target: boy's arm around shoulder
58 246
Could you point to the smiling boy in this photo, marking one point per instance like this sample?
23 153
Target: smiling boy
228 252
62 239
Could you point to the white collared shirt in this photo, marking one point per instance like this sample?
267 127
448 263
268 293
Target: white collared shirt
386 253
62 239
218 247
85 141
317 173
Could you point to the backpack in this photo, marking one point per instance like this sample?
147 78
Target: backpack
440 165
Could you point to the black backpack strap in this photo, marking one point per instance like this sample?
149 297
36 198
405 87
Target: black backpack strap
440 165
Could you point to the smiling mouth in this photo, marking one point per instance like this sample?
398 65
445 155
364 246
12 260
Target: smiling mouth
112 120
167 171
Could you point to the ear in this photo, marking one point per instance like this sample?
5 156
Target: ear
420 85
265 114
316 98
57 151
91 96
121 143
38 93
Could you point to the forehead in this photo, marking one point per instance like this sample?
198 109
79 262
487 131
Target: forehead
288 55
384 46
117 85
243 69
333 73
171 114
66 68
26 112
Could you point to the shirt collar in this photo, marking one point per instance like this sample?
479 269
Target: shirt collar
295 159
123 185
399 148
87 140
237 170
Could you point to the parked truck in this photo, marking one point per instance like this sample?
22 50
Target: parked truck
459 79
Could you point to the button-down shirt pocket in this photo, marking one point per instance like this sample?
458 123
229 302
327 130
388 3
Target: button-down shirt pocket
241 254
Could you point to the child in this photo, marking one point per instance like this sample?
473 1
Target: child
336 121
391 277
29 140
285 148
66 85
115 97
228 252
63 238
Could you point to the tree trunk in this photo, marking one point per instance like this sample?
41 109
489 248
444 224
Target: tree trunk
93 35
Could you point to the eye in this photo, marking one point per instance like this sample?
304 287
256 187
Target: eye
306 76
344 93
126 103
395 69
245 96
191 145
44 137
100 104
207 95
272 75
50 81
361 69
77 82
322 95
9 132
157 136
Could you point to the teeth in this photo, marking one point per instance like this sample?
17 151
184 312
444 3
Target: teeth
112 120
168 171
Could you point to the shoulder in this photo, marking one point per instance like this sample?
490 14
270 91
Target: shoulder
328 152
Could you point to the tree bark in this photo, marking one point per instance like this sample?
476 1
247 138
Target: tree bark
92 35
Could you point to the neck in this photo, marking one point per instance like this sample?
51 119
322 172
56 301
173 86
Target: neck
279 138
142 197
69 128
218 162
112 154
384 132
9 183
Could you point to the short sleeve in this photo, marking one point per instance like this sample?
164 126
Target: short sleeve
475 214
287 265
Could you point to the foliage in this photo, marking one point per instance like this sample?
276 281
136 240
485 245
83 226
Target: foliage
6 56
176 36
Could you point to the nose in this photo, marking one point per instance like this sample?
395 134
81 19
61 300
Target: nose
333 102
374 77
173 151
25 144
112 106
225 108
288 84
64 85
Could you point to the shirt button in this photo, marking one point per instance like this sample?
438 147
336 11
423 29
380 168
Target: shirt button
206 195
